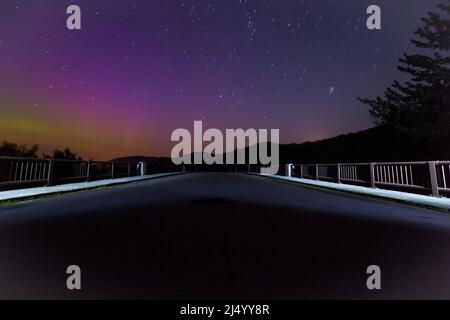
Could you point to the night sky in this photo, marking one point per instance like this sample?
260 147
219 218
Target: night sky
140 69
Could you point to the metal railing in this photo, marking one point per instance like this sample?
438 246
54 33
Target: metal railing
443 176
22 170
18 172
426 177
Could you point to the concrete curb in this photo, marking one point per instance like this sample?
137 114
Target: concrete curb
417 199
42 191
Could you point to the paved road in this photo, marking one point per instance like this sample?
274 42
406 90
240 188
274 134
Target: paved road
214 235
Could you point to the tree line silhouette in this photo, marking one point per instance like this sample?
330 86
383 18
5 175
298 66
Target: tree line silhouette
9 149
420 107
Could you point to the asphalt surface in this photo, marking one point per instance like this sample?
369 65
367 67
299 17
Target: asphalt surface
222 236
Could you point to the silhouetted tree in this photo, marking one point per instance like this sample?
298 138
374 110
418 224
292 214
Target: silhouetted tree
8 149
421 106
65 154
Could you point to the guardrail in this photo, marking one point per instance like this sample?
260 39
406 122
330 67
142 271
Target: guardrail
427 177
33 171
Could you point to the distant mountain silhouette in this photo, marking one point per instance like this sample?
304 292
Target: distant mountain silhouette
378 144
148 160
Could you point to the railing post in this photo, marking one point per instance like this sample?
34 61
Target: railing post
51 168
129 169
143 168
338 172
288 170
317 172
372 175
433 179
88 171
112 170
301 171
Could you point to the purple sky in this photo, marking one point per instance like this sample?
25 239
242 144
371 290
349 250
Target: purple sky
140 69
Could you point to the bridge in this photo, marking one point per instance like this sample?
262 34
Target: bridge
197 235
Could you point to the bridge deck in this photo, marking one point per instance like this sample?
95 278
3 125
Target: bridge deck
217 235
